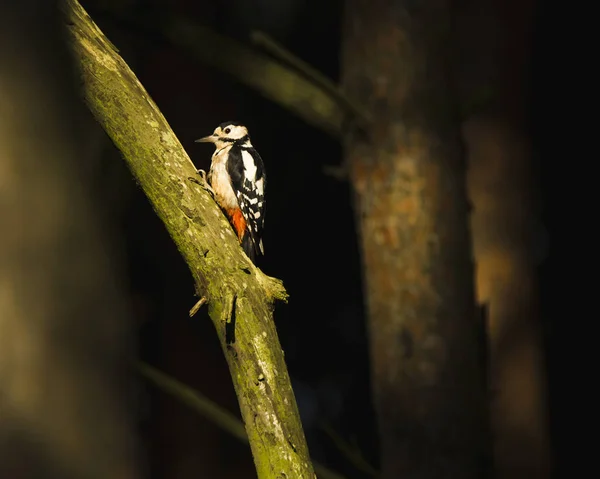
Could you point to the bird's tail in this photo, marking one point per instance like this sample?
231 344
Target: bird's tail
249 247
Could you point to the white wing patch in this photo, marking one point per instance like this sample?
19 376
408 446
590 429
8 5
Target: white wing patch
260 185
250 196
250 167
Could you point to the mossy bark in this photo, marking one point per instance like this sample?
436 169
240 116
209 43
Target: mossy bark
240 297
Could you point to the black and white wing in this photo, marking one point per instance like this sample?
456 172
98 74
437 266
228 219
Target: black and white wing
247 173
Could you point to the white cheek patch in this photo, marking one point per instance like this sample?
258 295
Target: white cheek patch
238 132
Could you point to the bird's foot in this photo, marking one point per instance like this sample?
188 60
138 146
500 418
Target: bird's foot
202 174
203 183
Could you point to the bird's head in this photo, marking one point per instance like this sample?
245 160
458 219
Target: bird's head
228 133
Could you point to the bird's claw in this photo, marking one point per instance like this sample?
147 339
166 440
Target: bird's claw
204 183
202 174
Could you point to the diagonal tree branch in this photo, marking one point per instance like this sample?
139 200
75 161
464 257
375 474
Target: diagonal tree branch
240 297
210 410
295 85
350 451
275 81
268 44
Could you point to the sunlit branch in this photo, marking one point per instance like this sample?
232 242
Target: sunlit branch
220 269
210 410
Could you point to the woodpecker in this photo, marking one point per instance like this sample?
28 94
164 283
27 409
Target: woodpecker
238 182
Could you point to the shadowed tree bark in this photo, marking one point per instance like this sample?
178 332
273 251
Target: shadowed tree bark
63 327
408 176
494 56
504 226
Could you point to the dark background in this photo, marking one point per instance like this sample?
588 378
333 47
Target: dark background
310 238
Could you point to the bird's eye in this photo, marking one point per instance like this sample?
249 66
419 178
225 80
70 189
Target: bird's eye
227 130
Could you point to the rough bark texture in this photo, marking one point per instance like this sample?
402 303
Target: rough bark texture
64 339
408 179
212 411
240 296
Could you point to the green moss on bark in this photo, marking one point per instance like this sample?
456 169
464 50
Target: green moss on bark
240 296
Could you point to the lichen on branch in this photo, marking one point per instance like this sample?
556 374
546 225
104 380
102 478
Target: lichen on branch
239 296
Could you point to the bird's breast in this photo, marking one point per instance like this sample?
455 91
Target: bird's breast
220 182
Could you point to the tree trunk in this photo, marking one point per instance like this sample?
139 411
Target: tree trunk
504 230
408 176
63 323
494 45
